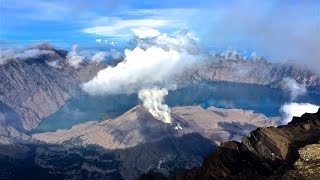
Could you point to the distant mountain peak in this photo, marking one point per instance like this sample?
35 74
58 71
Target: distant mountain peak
137 113
141 124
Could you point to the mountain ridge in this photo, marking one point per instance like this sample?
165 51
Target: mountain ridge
254 71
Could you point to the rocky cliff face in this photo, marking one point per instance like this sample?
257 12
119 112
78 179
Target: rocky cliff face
266 153
32 89
256 71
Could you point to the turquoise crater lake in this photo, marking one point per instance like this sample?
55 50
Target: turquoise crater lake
261 99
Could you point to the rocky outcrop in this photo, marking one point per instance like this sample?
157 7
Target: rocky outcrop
266 153
32 89
308 165
254 71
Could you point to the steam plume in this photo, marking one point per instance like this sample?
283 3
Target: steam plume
98 57
153 99
153 62
114 54
294 87
73 58
291 110
54 64
11 54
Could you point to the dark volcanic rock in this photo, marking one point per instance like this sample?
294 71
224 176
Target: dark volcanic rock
267 153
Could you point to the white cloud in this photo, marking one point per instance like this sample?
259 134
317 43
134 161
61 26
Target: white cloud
114 54
153 100
105 41
98 57
98 40
73 58
142 21
121 27
54 64
154 64
101 56
291 110
290 34
31 53
6 55
141 68
10 54
180 41
145 32
294 87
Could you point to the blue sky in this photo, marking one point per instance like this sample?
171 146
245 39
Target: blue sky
77 21
282 29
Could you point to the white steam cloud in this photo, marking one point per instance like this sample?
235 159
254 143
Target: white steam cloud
98 57
31 53
54 64
180 41
291 110
145 32
10 54
294 87
114 54
73 58
140 69
105 41
153 100
6 55
101 56
154 62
